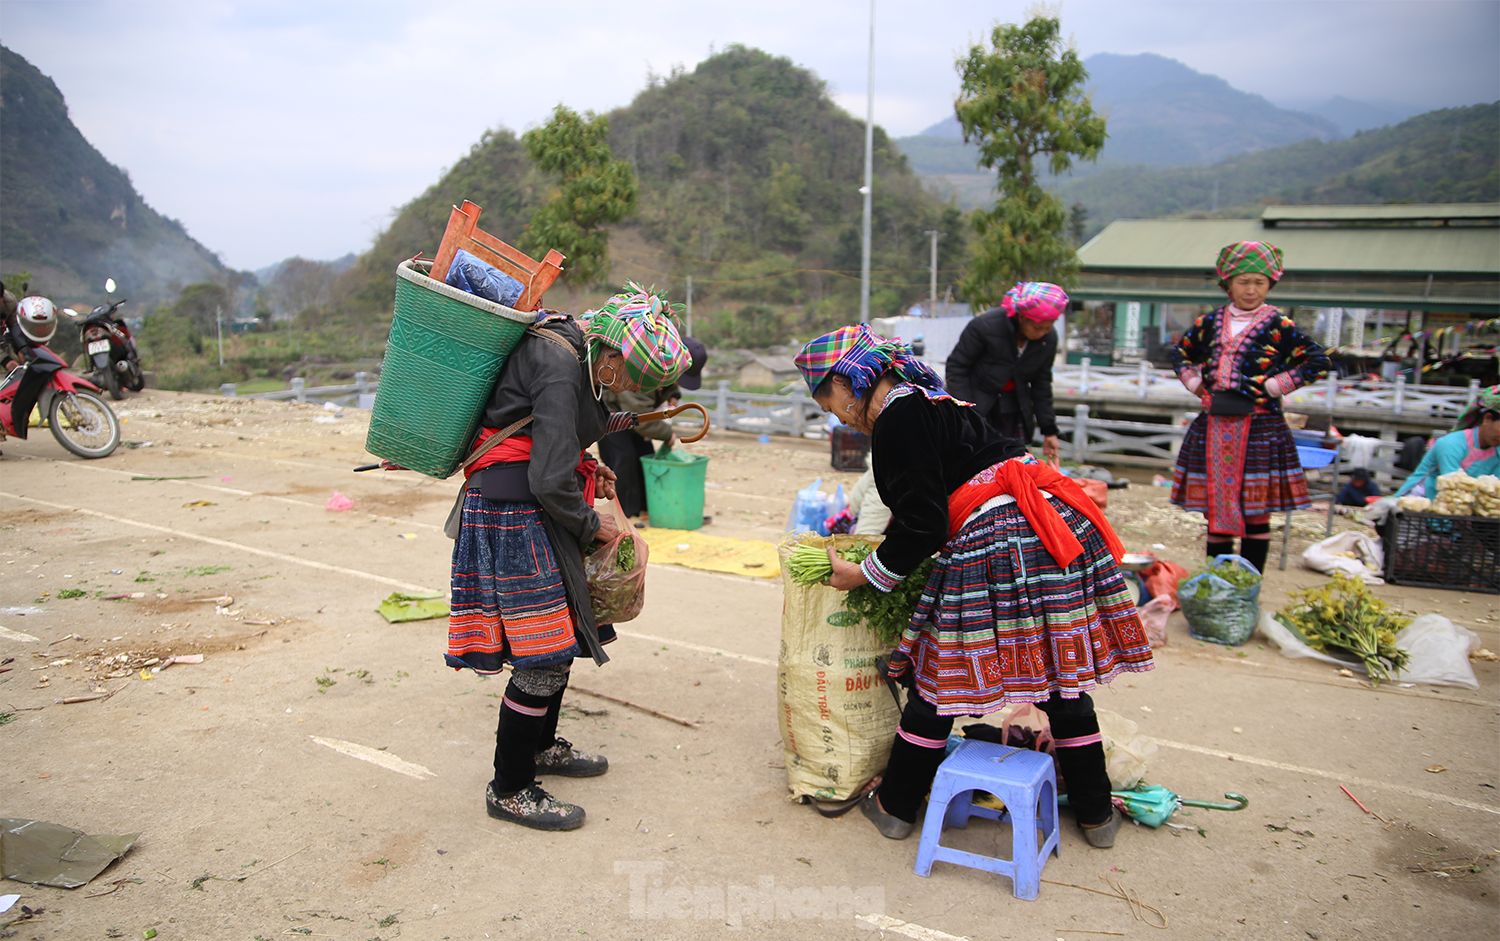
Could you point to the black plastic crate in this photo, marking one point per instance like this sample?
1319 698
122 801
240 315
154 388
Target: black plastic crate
1429 550
850 448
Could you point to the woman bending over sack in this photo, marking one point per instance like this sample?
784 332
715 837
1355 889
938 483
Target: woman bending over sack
1026 602
520 596
1238 463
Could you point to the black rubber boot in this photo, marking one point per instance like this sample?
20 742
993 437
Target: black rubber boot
518 736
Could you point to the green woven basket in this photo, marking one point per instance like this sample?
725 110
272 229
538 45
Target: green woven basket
444 353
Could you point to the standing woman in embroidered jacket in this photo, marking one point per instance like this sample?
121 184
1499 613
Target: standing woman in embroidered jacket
519 594
1240 360
1025 603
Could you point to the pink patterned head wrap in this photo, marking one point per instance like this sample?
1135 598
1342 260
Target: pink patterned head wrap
1035 300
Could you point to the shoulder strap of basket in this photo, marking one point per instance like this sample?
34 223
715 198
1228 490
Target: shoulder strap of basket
552 335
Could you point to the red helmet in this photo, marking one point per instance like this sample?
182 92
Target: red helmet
38 318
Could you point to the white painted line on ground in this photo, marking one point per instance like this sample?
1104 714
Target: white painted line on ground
1332 776
375 757
323 566
8 634
238 493
887 923
698 647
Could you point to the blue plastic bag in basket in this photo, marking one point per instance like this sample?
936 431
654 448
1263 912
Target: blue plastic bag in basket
1218 611
468 273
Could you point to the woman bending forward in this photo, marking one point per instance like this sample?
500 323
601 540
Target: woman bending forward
1025 604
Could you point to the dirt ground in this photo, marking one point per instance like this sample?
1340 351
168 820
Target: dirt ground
256 822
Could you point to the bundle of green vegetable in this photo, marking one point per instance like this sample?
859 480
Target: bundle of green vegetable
887 614
1344 617
624 554
1229 570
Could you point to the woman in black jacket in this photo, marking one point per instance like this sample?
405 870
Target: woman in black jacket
1003 363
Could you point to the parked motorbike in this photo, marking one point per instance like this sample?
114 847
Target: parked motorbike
108 343
80 420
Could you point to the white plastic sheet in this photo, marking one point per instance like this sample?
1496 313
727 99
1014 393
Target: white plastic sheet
1438 648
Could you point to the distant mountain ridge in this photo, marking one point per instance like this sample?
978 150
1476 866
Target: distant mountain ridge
1446 156
71 217
1159 110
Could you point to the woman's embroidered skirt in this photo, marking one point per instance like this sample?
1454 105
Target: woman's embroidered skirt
1268 479
508 604
1000 621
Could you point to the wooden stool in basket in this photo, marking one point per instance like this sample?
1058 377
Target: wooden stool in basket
464 233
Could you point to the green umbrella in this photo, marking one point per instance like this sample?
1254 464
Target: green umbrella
1153 804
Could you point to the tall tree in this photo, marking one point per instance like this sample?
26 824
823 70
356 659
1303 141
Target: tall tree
1022 99
594 190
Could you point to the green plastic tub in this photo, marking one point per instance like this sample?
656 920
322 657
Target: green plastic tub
674 490
444 353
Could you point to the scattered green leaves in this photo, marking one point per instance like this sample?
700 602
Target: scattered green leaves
71 593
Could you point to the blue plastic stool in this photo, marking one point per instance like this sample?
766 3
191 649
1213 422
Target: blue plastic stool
1025 781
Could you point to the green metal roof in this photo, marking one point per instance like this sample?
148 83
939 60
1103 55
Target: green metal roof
1191 245
1424 212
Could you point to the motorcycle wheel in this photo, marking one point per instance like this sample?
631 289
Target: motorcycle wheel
84 424
112 382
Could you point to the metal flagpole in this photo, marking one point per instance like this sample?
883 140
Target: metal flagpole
866 190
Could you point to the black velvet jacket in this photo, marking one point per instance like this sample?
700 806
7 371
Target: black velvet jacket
986 358
924 450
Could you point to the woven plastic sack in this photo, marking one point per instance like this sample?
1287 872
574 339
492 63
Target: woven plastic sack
837 716
1218 611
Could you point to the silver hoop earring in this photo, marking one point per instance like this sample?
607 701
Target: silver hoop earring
612 375
848 408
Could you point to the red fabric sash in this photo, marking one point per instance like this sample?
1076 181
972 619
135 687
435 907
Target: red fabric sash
1025 480
518 448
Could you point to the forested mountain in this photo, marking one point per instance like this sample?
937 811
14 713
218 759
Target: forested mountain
749 178
1439 157
72 218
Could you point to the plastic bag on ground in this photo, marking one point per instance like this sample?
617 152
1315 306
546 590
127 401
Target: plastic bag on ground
1126 750
1353 553
468 273
1162 578
1439 652
1154 615
617 574
1218 611
1097 490
338 503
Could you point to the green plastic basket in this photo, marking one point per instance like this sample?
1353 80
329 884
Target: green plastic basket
444 353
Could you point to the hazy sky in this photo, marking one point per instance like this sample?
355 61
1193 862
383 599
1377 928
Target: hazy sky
274 129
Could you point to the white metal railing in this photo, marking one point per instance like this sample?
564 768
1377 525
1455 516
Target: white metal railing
1396 397
796 414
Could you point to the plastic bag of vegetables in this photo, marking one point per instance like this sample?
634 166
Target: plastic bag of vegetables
1222 603
616 573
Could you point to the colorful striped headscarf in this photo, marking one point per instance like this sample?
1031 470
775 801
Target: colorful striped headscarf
1035 300
1248 258
1488 401
862 356
638 323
